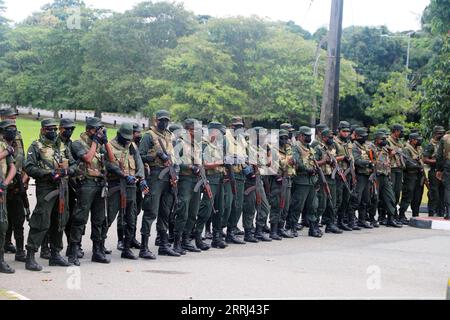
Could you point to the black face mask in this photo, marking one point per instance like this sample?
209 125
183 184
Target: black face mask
137 139
283 141
122 141
419 143
10 134
51 135
361 140
290 135
344 139
308 139
330 142
67 133
383 143
163 125
402 135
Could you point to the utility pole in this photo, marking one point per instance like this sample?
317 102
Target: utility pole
330 105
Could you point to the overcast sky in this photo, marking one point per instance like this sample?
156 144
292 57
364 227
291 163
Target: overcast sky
397 15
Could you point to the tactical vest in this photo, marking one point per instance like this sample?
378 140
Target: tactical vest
285 154
344 149
95 168
396 160
166 138
383 163
123 158
213 153
364 151
50 154
416 154
307 155
19 152
3 164
326 168
236 146
191 155
435 145
446 147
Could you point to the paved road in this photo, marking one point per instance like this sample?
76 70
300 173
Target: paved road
381 263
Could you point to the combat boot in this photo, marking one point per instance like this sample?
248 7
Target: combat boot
392 223
21 255
274 232
120 239
365 225
10 248
30 263
249 237
208 234
144 253
231 238
341 225
300 226
199 242
164 247
4 267
157 240
238 232
97 253
171 232
56 260
135 244
217 241
187 245
282 232
314 230
259 235
266 229
332 228
45 253
73 257
177 244
103 248
126 252
294 232
402 218
375 223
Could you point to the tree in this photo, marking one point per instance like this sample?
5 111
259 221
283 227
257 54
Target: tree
436 17
394 102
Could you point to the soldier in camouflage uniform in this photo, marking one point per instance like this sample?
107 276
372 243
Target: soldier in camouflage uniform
280 184
364 168
436 193
414 175
188 154
160 201
325 151
395 144
344 148
384 183
125 171
50 164
90 152
255 197
374 200
16 212
215 171
7 173
443 169
234 185
304 194
66 128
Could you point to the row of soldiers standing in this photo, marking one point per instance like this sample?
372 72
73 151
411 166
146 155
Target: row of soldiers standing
331 179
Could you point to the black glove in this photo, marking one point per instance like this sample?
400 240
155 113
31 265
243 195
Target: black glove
131 180
163 156
55 175
195 170
312 172
371 165
10 150
105 137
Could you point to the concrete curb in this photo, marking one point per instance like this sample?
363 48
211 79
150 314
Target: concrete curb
430 223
